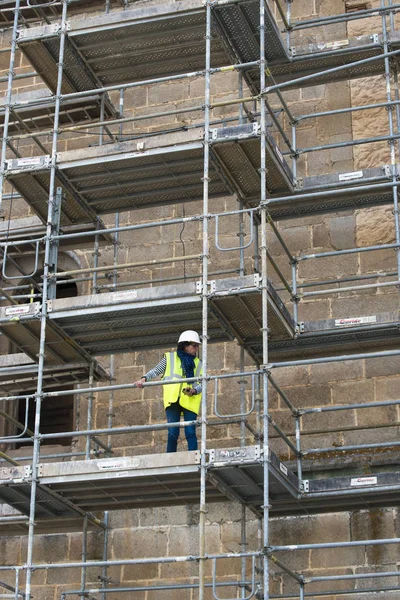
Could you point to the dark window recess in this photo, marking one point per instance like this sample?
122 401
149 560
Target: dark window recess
56 416
67 290
351 7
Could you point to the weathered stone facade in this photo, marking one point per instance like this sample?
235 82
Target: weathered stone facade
170 531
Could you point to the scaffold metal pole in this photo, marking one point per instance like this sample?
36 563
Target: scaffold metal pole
204 294
55 199
10 77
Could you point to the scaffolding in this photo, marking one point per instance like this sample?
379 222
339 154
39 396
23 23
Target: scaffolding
124 163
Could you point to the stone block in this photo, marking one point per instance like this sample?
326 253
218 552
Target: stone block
224 513
164 515
184 541
315 309
333 127
10 550
353 392
331 267
337 557
371 155
44 592
376 524
173 594
291 376
378 261
314 92
138 572
307 396
134 97
342 232
388 388
366 305
297 239
377 415
123 519
49 548
375 226
320 236
72 577
231 536
139 543
336 371
302 9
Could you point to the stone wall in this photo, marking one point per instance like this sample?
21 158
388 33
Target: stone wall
174 531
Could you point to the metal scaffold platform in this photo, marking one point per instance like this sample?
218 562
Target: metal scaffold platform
147 318
19 374
124 483
167 168
23 329
31 228
330 337
34 111
164 169
336 192
152 41
32 13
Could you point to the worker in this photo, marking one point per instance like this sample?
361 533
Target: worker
180 398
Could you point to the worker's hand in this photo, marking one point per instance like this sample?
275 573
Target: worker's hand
140 382
189 391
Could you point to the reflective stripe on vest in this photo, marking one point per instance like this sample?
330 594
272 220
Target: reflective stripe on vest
172 393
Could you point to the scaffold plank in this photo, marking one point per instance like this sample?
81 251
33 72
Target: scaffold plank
153 171
19 374
31 228
150 41
21 325
153 317
30 13
145 41
336 192
148 318
33 111
340 336
123 483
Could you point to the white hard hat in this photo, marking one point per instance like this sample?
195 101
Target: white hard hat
189 336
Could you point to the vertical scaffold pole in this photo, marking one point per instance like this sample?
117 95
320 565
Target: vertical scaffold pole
89 410
264 272
203 445
105 553
392 142
54 199
84 556
54 202
7 106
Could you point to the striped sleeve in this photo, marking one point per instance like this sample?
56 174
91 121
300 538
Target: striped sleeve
157 371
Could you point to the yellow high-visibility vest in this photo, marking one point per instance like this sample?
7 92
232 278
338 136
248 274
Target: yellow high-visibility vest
173 392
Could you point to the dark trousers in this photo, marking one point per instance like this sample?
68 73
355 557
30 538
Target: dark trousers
173 413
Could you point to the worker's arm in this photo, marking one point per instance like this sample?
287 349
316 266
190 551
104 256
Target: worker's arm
157 371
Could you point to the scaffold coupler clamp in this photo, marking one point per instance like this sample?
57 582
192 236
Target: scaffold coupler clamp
267 368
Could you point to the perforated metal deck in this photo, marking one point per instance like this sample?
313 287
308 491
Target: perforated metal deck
145 41
164 169
339 336
152 317
154 41
31 228
18 374
33 14
341 186
174 480
34 111
21 324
